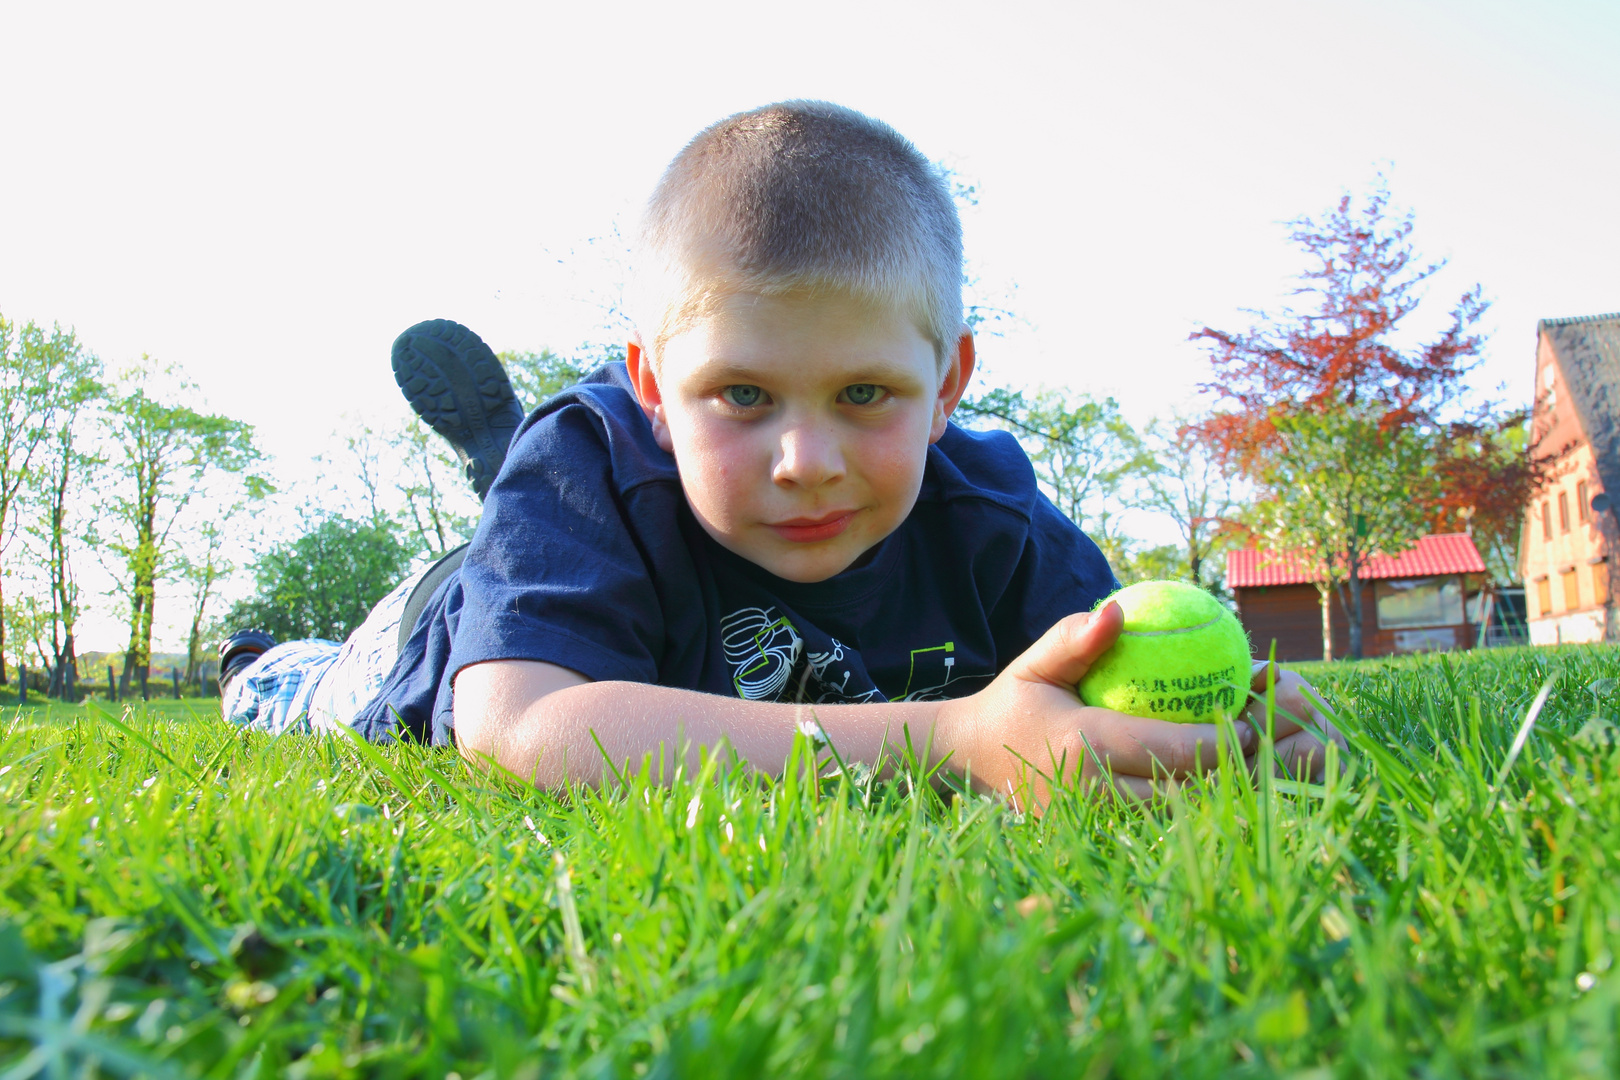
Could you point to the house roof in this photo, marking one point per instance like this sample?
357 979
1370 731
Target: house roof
1447 553
1588 353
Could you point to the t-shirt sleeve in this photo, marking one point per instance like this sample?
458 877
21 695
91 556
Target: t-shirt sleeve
555 572
1061 571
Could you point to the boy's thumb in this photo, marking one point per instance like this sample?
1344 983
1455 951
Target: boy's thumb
1067 651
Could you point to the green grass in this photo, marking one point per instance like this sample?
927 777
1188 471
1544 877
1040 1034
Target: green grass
180 899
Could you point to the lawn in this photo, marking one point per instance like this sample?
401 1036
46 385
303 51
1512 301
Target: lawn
180 899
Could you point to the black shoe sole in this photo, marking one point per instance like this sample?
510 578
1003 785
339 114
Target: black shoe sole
458 386
251 642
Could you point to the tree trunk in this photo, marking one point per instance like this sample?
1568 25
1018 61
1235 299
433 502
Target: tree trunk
1355 614
194 651
66 673
128 676
150 592
1487 601
194 642
64 594
1325 592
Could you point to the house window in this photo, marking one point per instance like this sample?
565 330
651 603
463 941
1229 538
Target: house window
1583 502
1544 596
1572 589
1600 583
1563 511
1546 520
1420 602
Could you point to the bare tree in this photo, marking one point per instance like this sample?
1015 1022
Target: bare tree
1187 484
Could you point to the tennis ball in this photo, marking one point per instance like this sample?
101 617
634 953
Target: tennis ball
1182 656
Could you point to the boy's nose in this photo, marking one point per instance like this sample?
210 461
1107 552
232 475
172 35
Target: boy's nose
808 457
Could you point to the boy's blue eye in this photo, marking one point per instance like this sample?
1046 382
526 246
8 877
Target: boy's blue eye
743 396
862 393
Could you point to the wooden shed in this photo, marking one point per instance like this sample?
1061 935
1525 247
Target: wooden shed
1425 599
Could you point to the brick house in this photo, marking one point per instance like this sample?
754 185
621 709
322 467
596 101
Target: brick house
1570 530
1425 599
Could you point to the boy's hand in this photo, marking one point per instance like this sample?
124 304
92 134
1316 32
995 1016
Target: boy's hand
1032 711
1300 753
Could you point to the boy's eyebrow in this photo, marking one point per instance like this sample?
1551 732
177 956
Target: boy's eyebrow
876 370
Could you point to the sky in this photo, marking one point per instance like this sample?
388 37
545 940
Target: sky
267 194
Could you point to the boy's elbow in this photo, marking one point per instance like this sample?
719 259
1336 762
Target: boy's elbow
496 715
474 734
479 707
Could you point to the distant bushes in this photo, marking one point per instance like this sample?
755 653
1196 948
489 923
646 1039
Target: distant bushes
324 583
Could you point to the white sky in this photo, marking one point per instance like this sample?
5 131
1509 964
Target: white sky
267 194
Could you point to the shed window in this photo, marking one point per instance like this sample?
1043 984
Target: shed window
1563 511
1544 597
1600 583
1546 520
1583 502
1572 589
1420 602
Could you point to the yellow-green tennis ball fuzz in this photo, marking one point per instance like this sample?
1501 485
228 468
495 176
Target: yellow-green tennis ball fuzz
1182 656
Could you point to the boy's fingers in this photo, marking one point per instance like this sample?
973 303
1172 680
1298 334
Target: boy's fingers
1067 651
1155 749
1293 712
1132 788
1283 721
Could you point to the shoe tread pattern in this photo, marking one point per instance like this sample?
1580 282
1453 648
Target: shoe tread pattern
458 386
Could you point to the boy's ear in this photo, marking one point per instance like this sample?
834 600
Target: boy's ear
645 381
954 384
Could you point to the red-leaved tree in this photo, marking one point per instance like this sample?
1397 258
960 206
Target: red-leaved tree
1350 434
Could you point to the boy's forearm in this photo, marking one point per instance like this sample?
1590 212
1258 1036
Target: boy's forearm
550 740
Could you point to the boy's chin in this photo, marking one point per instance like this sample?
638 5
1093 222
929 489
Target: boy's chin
808 566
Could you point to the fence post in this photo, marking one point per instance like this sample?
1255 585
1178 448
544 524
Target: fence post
174 673
146 694
22 684
112 685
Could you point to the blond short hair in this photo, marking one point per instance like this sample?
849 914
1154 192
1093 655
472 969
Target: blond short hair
801 198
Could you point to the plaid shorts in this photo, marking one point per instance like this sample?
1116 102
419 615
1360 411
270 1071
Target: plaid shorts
317 685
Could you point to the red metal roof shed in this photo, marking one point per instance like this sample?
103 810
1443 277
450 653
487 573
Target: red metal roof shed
1448 553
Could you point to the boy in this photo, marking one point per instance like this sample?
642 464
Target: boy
763 522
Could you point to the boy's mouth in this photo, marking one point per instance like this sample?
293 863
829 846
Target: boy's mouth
809 530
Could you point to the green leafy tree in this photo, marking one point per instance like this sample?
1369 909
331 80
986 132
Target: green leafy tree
1083 451
1161 562
536 376
30 622
163 455
324 583
34 363
1342 490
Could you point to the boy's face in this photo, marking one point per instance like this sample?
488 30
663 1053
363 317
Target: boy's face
800 426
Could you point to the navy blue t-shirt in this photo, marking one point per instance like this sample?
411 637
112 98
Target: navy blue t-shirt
588 557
